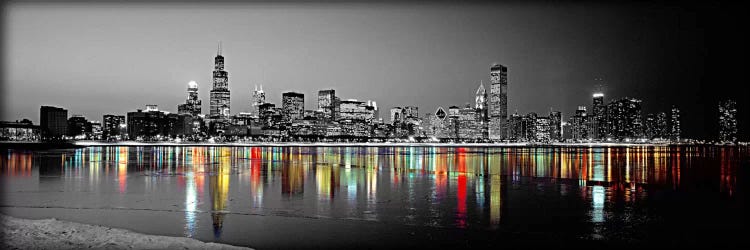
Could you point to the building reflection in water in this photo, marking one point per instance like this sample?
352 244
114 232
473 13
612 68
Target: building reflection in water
461 187
218 183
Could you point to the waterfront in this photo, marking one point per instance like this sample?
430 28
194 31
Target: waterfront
270 197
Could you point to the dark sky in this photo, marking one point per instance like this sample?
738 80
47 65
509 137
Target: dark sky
114 58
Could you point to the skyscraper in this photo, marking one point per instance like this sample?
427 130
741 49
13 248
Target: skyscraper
113 126
78 126
662 128
259 98
599 116
580 124
293 106
498 107
728 121
397 114
555 124
624 118
410 112
480 104
674 124
326 102
53 122
437 123
220 102
192 105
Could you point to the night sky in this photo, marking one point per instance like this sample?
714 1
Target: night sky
114 58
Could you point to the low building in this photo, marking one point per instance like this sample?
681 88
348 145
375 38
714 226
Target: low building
19 131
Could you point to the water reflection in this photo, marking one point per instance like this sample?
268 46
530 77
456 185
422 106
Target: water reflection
437 186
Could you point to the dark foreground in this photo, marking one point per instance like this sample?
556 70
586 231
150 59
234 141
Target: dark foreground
425 197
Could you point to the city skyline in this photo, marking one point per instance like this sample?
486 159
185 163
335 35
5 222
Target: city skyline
526 91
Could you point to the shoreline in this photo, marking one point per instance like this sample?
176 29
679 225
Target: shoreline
82 144
19 233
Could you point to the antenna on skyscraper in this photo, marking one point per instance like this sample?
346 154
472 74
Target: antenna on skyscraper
599 85
218 51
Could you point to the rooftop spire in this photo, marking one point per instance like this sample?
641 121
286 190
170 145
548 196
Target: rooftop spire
218 51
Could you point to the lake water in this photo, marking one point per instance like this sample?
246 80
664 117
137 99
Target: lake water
279 197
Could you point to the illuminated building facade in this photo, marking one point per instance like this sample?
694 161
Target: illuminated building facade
220 101
19 131
293 106
662 128
599 117
154 124
467 124
396 115
728 121
78 126
515 127
113 126
356 110
528 127
480 104
579 124
542 129
410 112
259 98
192 105
674 124
326 104
437 122
555 125
498 105
624 118
53 122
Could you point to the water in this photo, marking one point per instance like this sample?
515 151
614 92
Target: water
277 197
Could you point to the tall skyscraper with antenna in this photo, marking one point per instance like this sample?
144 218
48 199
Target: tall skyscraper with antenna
220 102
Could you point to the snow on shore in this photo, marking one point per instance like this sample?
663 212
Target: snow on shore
54 234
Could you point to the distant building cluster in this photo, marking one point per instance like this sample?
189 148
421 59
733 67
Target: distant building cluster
337 119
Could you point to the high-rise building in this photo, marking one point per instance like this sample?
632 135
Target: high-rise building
728 121
53 122
259 98
326 103
542 129
397 114
675 130
528 127
293 106
624 118
266 113
113 126
437 124
192 105
662 128
498 105
650 126
555 124
468 125
357 110
599 121
411 112
480 104
220 101
579 124
78 126
515 126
